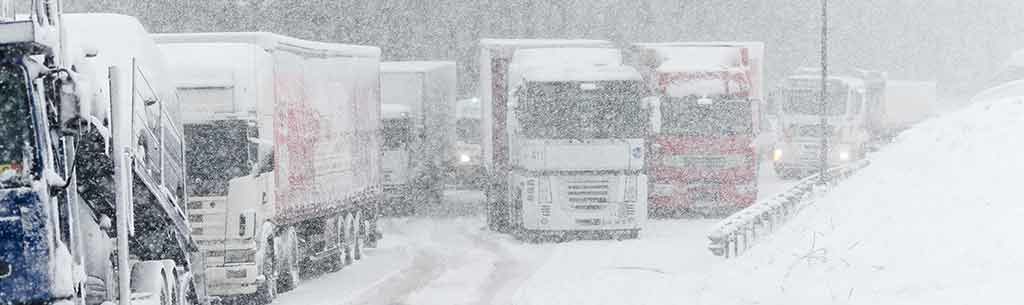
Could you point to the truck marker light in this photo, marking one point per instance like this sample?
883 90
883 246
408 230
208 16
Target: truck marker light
777 154
464 158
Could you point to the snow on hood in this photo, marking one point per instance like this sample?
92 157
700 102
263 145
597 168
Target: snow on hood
933 220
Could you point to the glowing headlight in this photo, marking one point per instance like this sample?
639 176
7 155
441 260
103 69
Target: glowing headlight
777 154
844 156
464 158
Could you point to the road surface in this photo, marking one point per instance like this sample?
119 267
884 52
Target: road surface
448 257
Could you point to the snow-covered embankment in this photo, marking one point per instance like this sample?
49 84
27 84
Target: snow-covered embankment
934 220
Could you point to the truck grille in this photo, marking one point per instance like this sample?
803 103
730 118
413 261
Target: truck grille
545 210
593 190
810 153
206 217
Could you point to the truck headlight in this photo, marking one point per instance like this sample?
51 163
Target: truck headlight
844 155
630 189
777 154
239 256
464 158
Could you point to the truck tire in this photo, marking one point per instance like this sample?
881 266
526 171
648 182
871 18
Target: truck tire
150 277
267 292
350 237
288 274
338 260
360 233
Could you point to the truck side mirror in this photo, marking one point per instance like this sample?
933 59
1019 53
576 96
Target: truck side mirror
66 91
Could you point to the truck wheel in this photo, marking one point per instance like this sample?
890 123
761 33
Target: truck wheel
360 235
150 277
350 237
267 292
288 274
337 260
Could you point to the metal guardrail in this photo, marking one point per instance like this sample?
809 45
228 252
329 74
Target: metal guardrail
738 232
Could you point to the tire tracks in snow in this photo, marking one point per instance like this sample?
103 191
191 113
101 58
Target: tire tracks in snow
456 262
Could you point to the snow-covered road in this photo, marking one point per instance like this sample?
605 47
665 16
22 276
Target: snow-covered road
448 257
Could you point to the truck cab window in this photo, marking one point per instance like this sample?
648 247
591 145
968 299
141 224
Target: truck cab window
17 150
216 153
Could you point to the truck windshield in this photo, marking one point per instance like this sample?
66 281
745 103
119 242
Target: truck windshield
17 129
575 110
684 116
216 153
468 130
396 133
808 101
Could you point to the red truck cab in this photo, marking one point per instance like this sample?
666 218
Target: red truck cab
703 158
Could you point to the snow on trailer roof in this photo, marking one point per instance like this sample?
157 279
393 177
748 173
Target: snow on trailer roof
394 111
272 41
413 66
699 43
605 73
506 47
499 43
207 64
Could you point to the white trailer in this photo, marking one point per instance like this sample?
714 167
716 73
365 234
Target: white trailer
419 134
564 127
284 138
906 103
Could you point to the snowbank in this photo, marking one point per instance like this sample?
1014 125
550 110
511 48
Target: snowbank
933 220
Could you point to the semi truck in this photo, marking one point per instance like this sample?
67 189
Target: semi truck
92 189
419 131
703 155
284 145
467 171
865 110
563 124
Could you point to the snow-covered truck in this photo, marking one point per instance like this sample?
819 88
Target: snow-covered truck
283 148
92 191
419 131
703 155
852 101
907 102
564 123
467 171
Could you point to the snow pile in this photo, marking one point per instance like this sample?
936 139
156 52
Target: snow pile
933 220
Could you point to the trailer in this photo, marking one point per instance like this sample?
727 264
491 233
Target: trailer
419 131
93 189
564 123
284 141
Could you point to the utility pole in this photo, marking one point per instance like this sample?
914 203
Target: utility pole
825 131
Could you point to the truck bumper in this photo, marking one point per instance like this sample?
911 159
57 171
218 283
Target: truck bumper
232 280
614 216
669 200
